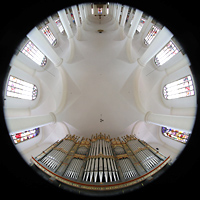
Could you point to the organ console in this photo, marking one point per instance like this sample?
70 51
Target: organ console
100 163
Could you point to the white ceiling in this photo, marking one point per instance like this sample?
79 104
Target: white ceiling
100 83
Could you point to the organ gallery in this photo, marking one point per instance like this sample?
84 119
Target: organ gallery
100 99
100 162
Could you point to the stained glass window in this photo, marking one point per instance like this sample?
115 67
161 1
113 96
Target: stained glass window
21 89
166 53
32 52
25 135
100 10
49 35
179 136
180 88
140 25
151 35
72 16
59 25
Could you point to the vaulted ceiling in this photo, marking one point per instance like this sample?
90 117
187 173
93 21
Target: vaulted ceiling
100 82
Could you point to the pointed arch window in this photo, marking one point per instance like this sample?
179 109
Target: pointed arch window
25 135
181 88
49 35
140 25
32 52
59 25
176 135
18 88
151 35
92 8
166 53
100 11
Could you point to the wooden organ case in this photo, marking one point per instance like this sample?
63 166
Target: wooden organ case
100 163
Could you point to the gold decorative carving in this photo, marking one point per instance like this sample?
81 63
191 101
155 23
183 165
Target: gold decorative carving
122 156
80 156
61 149
102 187
139 149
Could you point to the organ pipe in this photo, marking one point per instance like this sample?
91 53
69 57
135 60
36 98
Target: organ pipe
100 159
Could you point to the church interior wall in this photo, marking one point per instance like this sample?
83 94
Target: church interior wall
150 87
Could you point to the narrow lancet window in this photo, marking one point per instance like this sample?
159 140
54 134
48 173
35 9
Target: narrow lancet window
140 25
49 35
32 52
151 35
166 53
181 88
59 25
21 89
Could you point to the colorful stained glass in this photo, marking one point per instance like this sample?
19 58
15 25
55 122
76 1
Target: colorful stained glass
181 88
140 25
32 52
25 135
49 35
59 25
21 89
166 53
151 35
179 136
100 10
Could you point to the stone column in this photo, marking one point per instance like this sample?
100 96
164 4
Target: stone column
181 123
157 44
65 22
51 21
26 123
134 23
44 46
118 12
124 16
76 16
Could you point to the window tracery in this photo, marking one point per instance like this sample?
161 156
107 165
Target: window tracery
151 35
176 135
181 88
32 52
140 25
21 89
59 25
166 53
49 35
25 135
